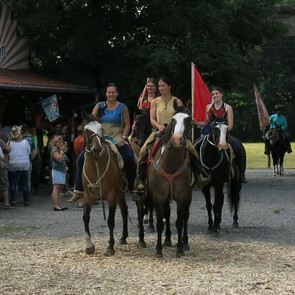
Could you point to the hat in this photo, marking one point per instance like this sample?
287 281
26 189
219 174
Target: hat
16 131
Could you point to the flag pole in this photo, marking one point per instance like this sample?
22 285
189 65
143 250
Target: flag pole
192 97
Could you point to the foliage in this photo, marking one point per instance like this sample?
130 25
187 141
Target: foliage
125 41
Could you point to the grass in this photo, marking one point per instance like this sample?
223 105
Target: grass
256 159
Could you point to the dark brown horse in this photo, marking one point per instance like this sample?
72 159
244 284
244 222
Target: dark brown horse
218 161
169 179
278 149
102 179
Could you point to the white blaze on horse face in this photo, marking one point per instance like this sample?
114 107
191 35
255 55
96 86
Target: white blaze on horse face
222 139
95 127
179 127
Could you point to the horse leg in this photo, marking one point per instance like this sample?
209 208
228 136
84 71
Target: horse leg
140 214
86 218
151 227
185 221
124 212
160 228
217 206
206 192
167 242
111 224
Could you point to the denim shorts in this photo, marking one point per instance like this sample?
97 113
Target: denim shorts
58 177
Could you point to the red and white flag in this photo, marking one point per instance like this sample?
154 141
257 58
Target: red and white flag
263 116
142 95
201 96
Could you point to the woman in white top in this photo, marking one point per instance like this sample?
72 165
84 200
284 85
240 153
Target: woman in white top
18 165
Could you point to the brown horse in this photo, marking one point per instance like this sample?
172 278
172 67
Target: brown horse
102 179
169 179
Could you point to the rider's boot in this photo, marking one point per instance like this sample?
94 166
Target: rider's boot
76 196
266 149
289 150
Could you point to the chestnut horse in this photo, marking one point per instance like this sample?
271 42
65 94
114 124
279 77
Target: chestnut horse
217 159
169 179
102 179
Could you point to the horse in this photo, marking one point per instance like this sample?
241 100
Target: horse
102 179
277 149
217 160
142 130
170 179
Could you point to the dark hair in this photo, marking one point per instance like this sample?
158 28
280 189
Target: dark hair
217 88
111 85
153 80
166 80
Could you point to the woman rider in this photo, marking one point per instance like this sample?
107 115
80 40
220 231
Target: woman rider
223 110
116 126
161 111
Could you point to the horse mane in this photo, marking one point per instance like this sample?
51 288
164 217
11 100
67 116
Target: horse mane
90 117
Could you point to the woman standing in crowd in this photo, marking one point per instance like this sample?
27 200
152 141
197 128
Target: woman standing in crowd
18 165
4 184
59 171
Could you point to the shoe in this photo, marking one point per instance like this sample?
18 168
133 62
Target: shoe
7 207
289 151
27 204
76 196
56 209
64 208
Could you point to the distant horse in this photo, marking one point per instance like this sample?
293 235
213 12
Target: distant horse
277 146
142 130
102 179
142 127
169 179
216 159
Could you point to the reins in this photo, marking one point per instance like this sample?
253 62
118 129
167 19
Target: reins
168 176
206 139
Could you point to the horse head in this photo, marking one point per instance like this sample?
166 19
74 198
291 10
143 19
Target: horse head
218 132
179 128
93 133
143 127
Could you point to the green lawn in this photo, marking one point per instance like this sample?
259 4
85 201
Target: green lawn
256 159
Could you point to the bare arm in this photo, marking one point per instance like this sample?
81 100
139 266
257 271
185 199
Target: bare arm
126 126
230 118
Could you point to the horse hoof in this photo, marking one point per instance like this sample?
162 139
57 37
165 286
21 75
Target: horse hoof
180 254
90 250
235 225
110 252
142 244
159 255
186 247
123 241
167 244
215 234
151 229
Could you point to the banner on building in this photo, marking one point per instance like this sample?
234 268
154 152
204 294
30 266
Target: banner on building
51 108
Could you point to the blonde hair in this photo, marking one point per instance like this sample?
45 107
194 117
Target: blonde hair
56 138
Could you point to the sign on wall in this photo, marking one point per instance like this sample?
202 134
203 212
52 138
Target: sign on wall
14 51
51 108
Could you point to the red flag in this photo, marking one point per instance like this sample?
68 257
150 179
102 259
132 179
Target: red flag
201 96
263 116
142 95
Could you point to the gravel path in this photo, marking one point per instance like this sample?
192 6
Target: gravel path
42 251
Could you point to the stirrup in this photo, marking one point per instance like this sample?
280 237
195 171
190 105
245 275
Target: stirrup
76 196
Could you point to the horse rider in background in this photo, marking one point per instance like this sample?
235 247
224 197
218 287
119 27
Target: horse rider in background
277 119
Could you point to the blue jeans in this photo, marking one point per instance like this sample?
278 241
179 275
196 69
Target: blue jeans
129 167
18 180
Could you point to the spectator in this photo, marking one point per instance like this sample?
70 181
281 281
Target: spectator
4 185
59 172
79 141
18 165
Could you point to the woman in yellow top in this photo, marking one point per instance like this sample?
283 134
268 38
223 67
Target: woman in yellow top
161 112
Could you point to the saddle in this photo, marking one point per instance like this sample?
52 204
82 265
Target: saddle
115 153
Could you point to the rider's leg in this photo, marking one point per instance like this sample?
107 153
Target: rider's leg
129 165
201 177
141 165
78 190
